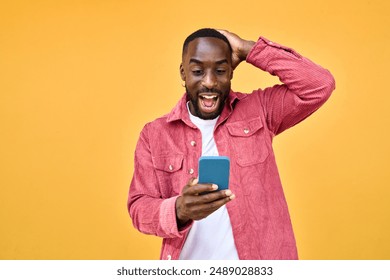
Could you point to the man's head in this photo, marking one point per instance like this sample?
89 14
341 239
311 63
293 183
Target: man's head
206 69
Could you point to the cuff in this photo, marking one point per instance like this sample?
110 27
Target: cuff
168 221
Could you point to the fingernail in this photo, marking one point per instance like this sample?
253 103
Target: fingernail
214 186
233 196
228 192
195 181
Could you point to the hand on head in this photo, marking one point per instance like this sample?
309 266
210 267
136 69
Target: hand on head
240 47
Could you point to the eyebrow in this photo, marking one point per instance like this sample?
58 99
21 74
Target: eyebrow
193 60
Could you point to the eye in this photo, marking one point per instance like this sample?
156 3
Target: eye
197 72
221 71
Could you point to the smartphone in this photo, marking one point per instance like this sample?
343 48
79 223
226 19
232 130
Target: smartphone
214 170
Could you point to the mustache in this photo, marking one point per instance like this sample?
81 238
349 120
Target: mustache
213 90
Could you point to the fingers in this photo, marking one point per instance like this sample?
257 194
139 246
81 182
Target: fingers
226 32
193 188
229 194
201 211
193 205
203 202
229 35
201 206
193 181
222 31
213 196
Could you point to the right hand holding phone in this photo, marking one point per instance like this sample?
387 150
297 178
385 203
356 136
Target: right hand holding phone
192 205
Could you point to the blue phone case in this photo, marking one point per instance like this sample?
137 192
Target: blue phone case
214 170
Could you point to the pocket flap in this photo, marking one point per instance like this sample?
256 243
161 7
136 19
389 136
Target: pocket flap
244 128
168 163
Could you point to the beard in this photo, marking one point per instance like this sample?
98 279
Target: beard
193 98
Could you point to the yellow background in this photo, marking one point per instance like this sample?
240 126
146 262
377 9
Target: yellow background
79 79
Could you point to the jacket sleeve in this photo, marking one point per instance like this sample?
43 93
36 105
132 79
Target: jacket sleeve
150 213
306 85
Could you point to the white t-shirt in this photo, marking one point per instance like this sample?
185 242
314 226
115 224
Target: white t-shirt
210 238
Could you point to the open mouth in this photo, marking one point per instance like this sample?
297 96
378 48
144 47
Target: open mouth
208 103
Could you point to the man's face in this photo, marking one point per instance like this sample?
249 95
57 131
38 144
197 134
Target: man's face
207 70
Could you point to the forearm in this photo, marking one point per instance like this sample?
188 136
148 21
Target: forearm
244 50
150 212
303 77
154 216
306 85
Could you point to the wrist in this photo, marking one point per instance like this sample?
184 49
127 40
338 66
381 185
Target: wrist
182 223
246 48
180 220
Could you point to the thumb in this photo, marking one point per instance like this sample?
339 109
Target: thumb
194 181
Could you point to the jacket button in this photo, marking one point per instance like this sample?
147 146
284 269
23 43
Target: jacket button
191 171
169 257
246 131
170 167
193 143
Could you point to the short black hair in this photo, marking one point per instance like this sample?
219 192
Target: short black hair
206 32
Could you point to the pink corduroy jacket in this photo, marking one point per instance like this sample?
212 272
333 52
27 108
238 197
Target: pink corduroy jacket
168 150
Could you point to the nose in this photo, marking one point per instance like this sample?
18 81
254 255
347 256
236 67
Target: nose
209 80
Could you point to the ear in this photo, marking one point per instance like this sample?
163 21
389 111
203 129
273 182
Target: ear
182 74
231 74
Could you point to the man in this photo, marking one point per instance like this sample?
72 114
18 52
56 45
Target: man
251 219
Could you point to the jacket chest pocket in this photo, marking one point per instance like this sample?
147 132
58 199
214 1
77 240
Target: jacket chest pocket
248 140
169 173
